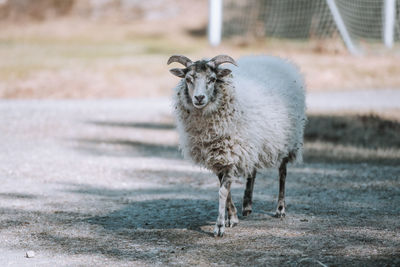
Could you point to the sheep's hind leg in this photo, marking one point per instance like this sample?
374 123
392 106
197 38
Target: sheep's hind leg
224 192
280 210
233 219
248 195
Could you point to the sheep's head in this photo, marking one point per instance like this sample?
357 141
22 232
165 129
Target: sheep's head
201 77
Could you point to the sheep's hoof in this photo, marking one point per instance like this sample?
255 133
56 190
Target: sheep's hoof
280 211
246 212
219 230
232 222
280 215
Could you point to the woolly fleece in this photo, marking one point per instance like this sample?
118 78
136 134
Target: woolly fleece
256 119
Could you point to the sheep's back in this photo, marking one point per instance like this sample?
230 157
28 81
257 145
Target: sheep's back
271 92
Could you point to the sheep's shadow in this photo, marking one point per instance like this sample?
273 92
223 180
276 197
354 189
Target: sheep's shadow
178 207
179 213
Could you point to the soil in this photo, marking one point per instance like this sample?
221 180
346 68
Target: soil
103 183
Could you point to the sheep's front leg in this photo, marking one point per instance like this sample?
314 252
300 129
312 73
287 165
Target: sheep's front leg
280 209
248 195
233 219
224 192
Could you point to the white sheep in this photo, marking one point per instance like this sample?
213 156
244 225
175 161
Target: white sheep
235 121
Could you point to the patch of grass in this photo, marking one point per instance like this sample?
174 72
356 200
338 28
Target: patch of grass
23 56
368 131
106 48
353 138
330 152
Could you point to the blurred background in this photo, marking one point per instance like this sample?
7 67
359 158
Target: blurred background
119 48
91 173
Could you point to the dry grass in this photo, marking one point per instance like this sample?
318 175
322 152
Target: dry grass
353 138
82 58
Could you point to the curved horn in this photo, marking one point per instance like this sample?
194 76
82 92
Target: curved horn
221 59
180 59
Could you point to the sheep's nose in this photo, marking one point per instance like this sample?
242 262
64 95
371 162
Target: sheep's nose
199 98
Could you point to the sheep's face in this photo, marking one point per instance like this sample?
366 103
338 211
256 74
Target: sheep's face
201 78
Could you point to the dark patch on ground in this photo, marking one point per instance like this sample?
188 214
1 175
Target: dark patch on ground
143 125
368 131
128 148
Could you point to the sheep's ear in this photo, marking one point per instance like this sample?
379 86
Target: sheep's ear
178 72
223 72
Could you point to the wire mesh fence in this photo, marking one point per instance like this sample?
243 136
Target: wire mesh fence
364 20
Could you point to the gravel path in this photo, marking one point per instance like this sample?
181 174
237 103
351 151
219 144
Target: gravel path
102 183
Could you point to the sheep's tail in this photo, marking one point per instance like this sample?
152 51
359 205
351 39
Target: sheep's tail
296 156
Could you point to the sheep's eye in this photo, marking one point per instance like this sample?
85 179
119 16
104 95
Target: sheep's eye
188 80
211 80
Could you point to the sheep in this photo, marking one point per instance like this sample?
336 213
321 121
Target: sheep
235 121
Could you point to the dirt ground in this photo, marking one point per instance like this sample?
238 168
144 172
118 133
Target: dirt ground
102 183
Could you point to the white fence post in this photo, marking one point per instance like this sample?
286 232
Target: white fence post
215 22
388 23
342 27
